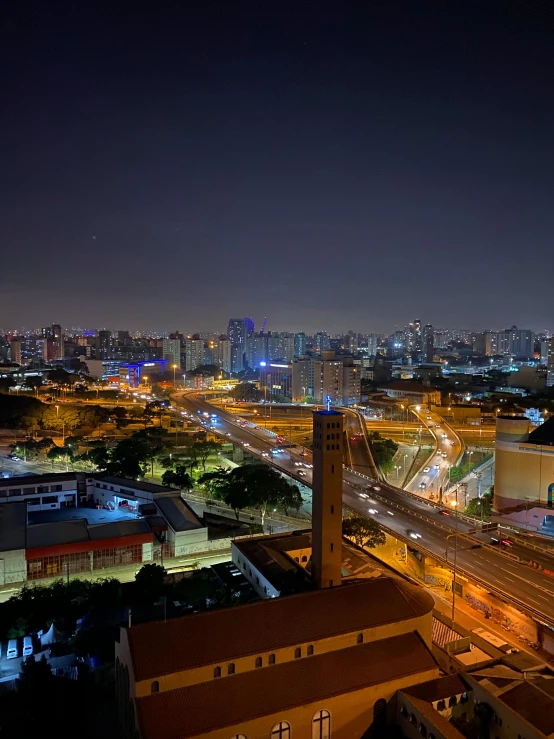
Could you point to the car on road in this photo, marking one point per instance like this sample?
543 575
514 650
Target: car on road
444 512
373 511
413 534
506 542
428 418
436 466
390 513
364 495
377 487
246 443
426 469
422 485
445 436
301 473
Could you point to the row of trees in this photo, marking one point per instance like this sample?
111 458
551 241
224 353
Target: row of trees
255 486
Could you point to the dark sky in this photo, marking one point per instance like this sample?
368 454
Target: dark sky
172 164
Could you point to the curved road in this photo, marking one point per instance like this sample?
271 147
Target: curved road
399 512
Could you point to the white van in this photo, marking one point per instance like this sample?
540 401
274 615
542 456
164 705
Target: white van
12 649
27 646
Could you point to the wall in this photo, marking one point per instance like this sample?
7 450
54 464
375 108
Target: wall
188 541
351 713
263 587
13 567
422 625
522 471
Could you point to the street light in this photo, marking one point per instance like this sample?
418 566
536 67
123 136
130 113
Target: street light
174 368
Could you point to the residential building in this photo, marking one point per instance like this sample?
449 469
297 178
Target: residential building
224 353
299 345
337 378
351 383
414 392
171 350
428 343
322 342
194 353
103 345
550 364
239 331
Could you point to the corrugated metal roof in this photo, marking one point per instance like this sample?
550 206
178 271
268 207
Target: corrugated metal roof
177 513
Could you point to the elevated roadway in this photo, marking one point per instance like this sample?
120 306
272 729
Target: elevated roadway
504 573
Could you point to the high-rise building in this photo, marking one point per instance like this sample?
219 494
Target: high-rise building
239 330
428 342
327 498
302 379
322 342
351 384
550 364
194 353
299 345
15 350
103 345
224 353
171 349
326 377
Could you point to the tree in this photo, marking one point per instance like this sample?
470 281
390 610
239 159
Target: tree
214 481
480 507
204 449
179 478
150 580
58 377
34 382
366 532
99 457
259 486
59 452
246 391
6 383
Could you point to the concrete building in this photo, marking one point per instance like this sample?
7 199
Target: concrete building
67 523
172 351
413 392
327 498
299 345
550 364
340 379
194 353
276 379
524 464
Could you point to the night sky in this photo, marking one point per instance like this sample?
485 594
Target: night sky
170 165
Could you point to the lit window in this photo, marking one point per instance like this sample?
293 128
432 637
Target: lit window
321 725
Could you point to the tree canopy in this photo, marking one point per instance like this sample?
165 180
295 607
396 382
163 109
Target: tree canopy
246 391
366 532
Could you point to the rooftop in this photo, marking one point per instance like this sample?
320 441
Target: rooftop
435 718
161 648
146 487
234 700
178 514
534 701
10 482
543 434
438 689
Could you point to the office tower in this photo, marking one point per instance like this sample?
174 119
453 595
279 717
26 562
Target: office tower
171 349
327 498
194 353
256 350
299 344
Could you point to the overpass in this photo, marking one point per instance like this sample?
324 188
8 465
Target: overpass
505 574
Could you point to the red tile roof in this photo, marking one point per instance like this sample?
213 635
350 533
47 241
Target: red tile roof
160 648
237 699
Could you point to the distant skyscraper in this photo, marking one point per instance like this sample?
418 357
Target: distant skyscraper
299 344
322 341
239 330
103 345
550 364
428 342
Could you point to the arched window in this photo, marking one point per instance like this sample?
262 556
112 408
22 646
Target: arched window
258 661
297 653
310 650
239 736
155 687
271 659
296 559
360 639
380 716
217 671
281 730
321 725
452 701
423 730
231 668
304 558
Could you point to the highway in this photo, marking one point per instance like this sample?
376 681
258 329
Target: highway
449 450
400 512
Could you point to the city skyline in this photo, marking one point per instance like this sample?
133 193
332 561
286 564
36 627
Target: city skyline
238 155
